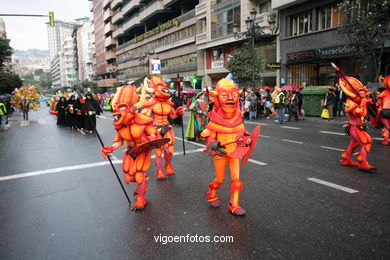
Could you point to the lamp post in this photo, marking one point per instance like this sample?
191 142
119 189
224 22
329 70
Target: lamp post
254 32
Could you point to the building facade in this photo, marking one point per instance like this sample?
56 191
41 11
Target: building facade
309 42
83 37
58 34
155 29
104 56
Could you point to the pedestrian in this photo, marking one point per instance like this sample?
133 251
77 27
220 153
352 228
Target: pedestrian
177 102
70 113
300 100
252 106
77 105
267 102
341 98
3 113
293 107
90 109
280 105
330 100
25 107
61 107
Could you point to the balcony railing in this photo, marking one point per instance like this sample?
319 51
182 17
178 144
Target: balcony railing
106 82
201 38
109 28
168 2
109 41
108 14
106 3
200 8
150 9
118 31
131 22
110 55
117 17
129 6
116 3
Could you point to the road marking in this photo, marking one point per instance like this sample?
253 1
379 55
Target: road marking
292 141
265 136
74 167
331 133
41 121
291 127
257 162
105 117
24 123
254 123
378 138
332 185
331 148
190 142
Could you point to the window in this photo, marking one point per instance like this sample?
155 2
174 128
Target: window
223 15
301 24
265 7
329 17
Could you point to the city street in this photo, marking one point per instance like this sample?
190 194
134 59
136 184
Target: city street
61 199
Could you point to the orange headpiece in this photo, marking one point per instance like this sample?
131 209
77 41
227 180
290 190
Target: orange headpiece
158 87
227 95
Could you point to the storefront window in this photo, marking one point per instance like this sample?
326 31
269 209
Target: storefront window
223 15
329 17
303 73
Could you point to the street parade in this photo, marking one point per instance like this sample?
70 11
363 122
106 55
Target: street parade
193 129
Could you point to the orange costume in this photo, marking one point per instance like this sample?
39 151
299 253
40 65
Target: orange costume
384 108
132 129
162 107
226 126
356 109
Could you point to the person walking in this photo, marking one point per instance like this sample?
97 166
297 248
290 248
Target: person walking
280 105
70 113
3 113
25 107
330 99
61 107
90 109
267 102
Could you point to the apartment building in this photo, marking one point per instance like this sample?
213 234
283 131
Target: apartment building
83 37
215 37
163 29
105 44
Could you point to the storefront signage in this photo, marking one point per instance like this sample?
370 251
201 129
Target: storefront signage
217 64
320 53
158 29
272 65
332 52
154 67
301 56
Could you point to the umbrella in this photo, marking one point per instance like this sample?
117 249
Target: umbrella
290 87
189 91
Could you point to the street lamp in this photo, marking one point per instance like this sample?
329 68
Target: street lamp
254 32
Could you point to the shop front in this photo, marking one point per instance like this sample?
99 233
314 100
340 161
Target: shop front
313 67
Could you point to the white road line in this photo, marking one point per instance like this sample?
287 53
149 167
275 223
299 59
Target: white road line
257 162
24 123
332 185
291 127
265 136
254 123
72 168
105 117
190 142
292 141
378 138
331 133
331 148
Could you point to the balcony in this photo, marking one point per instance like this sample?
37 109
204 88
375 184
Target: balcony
116 3
201 38
168 2
110 68
110 55
106 83
263 19
134 21
109 41
117 17
108 14
106 3
150 10
118 31
130 6
109 27
200 8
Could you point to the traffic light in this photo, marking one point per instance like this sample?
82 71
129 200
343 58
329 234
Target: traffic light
51 19
196 82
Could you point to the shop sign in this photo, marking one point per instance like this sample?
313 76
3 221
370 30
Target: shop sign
332 52
158 29
154 67
301 56
272 65
217 64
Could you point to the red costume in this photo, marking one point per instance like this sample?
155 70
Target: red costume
226 126
162 107
384 108
132 129
356 109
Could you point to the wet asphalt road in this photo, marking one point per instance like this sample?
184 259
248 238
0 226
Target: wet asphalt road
54 211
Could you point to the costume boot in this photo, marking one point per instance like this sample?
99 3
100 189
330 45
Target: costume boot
211 194
168 164
160 173
141 179
234 207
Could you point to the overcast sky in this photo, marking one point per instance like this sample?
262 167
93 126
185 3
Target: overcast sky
31 32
